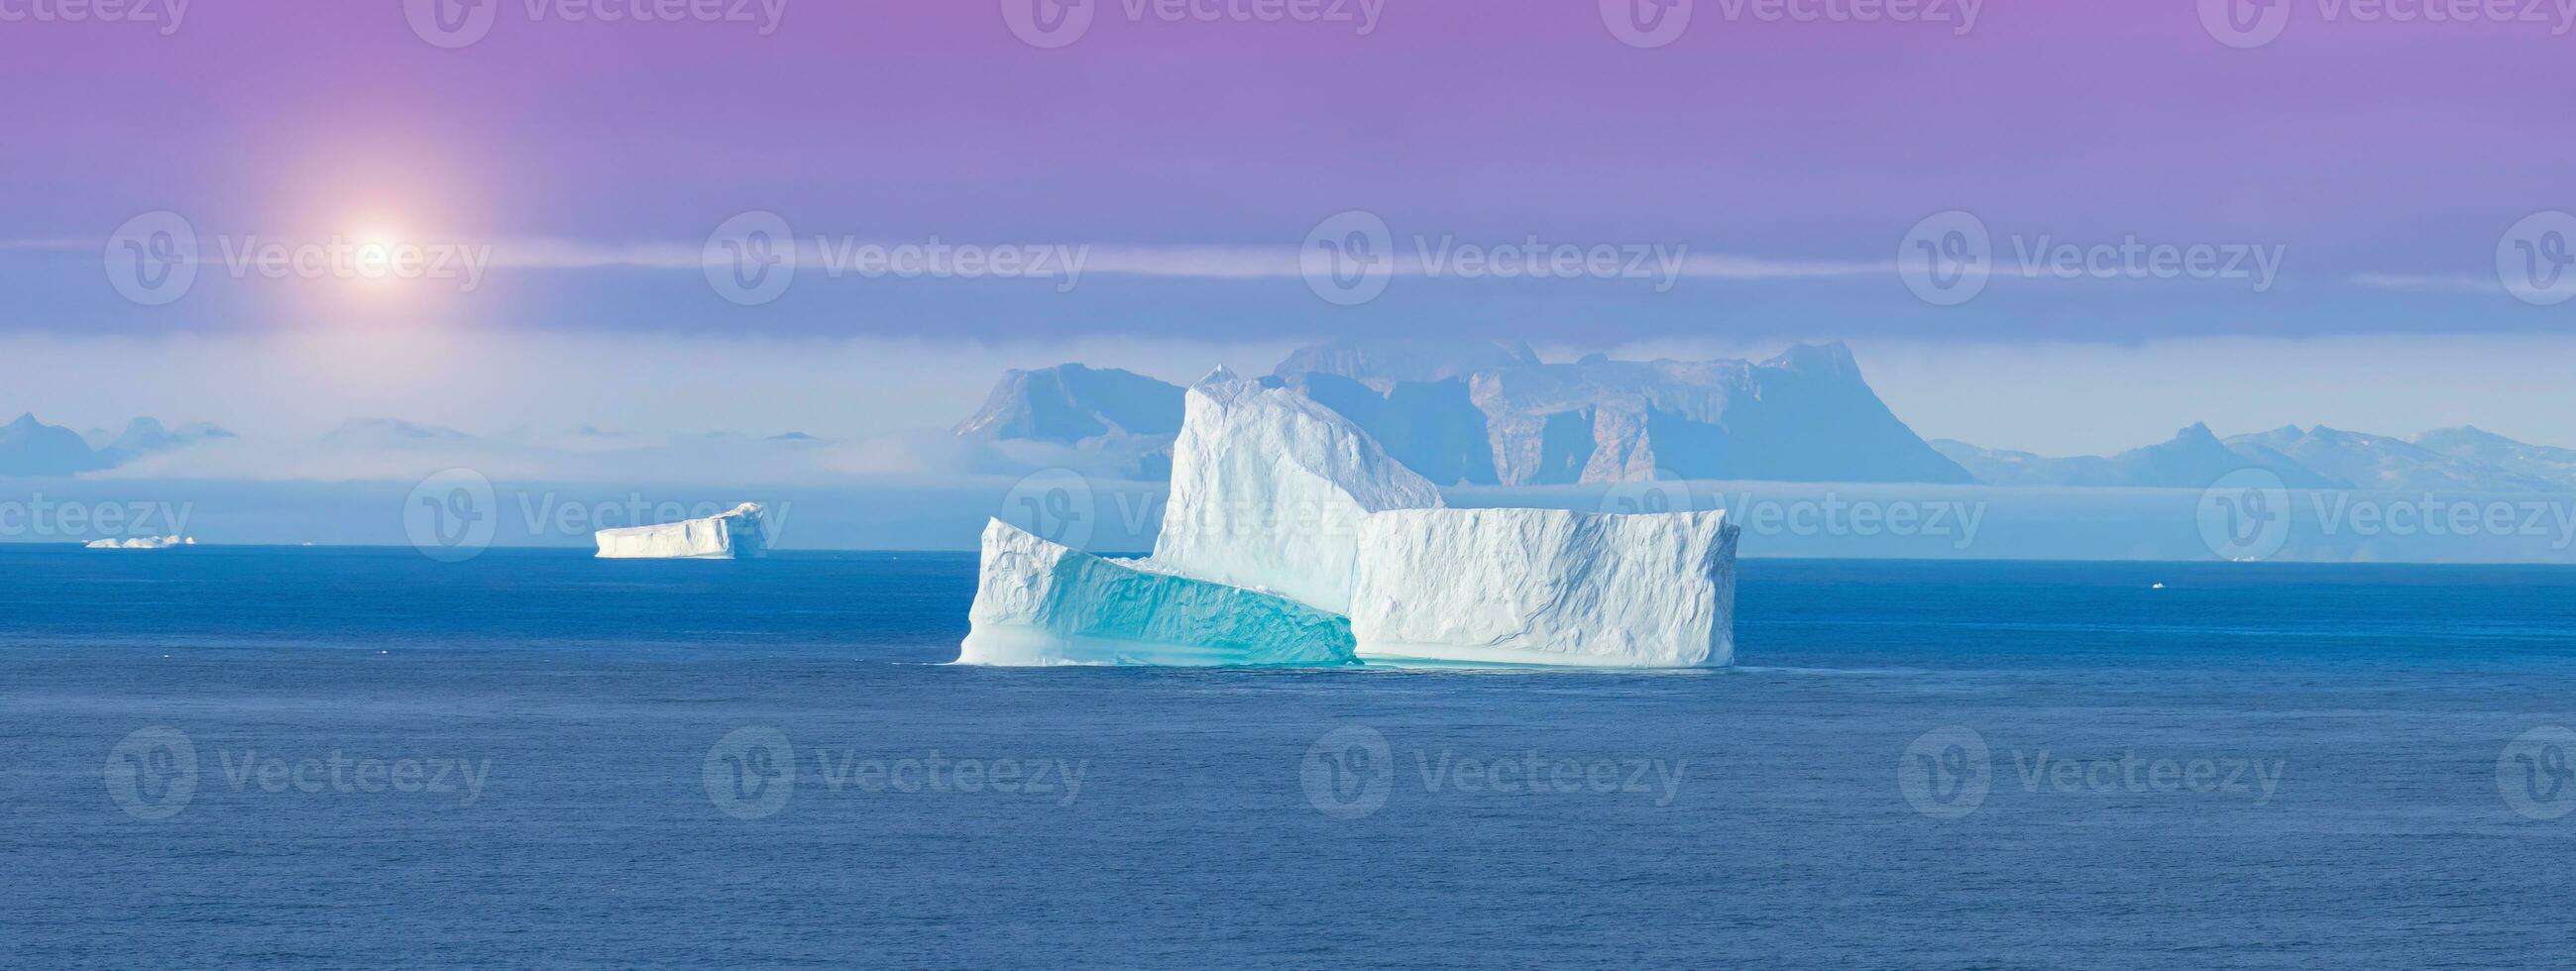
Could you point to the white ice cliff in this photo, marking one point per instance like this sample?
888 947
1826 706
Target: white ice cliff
1040 603
737 533
1545 586
1268 489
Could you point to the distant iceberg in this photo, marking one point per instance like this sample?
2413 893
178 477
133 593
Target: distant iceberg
141 543
1040 603
1546 586
736 534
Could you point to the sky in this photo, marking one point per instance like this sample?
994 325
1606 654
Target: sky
2360 178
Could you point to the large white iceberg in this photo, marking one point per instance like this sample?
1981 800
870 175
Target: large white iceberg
1291 537
1268 489
1040 603
1546 586
737 533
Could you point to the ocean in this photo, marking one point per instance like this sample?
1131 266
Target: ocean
328 758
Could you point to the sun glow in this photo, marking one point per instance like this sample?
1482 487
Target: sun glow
375 251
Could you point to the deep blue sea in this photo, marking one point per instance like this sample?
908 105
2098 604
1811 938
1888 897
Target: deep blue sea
362 758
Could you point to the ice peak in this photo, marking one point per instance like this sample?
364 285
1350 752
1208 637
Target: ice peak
1267 489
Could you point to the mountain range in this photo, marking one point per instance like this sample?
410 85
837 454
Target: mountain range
32 448
1460 414
1498 415
2461 459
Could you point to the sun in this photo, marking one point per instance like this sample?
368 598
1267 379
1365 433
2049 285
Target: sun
373 251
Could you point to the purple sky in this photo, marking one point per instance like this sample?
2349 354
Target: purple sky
2363 148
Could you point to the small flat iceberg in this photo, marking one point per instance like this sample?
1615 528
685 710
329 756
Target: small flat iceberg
735 534
141 543
1041 603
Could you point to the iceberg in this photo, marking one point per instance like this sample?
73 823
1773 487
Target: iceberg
141 543
1041 603
1292 537
737 533
1544 586
1268 488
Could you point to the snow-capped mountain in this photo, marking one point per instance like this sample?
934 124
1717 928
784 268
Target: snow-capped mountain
2378 462
2469 443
